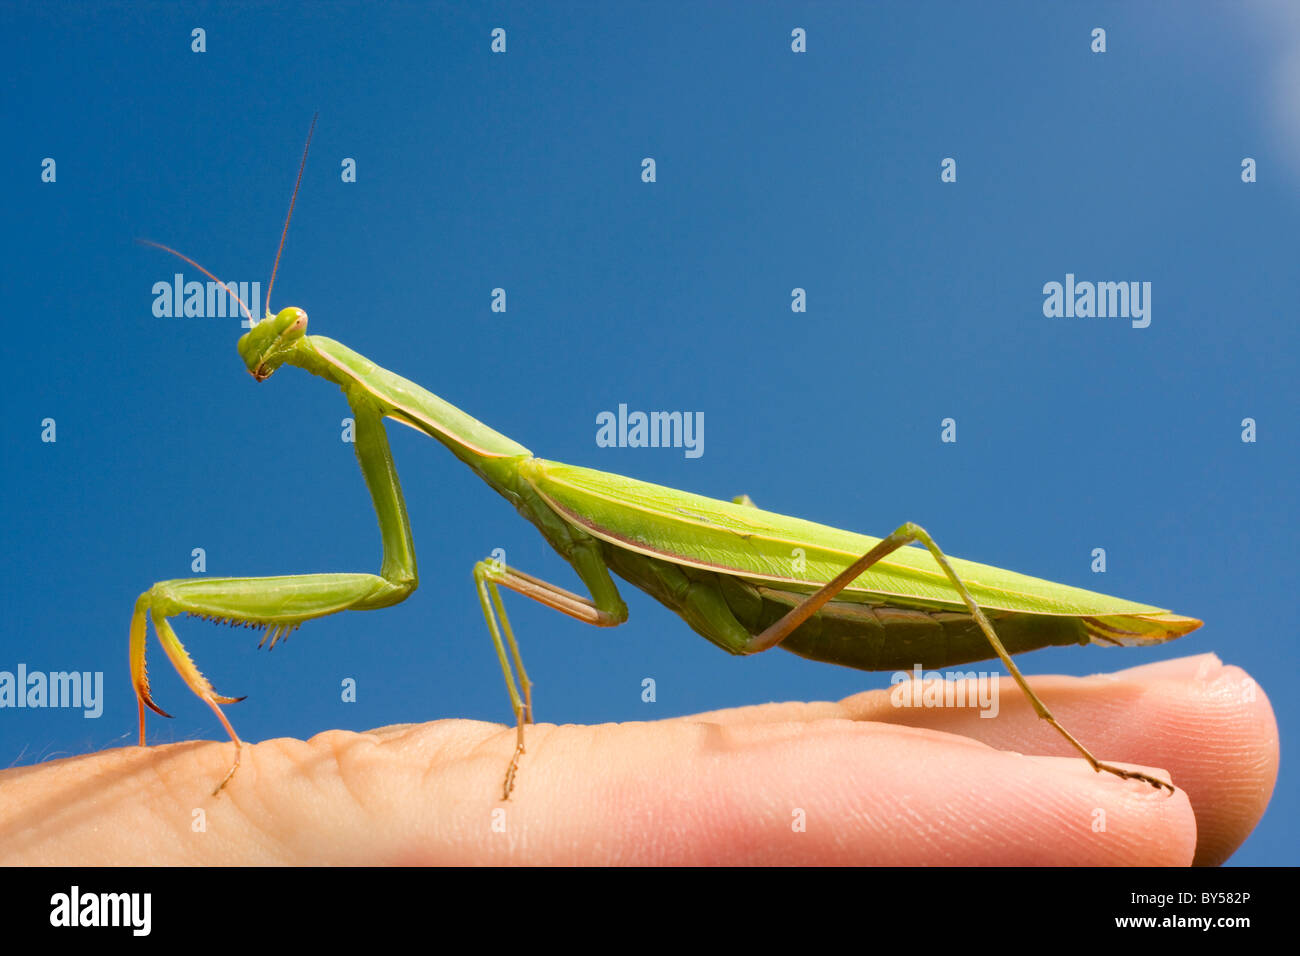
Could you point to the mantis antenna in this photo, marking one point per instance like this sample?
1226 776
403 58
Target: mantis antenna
229 291
292 199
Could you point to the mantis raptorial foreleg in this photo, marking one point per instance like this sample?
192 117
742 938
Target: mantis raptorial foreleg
487 575
281 604
904 535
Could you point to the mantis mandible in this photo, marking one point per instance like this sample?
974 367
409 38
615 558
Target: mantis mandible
728 569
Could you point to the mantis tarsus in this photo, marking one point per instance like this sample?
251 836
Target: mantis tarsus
746 579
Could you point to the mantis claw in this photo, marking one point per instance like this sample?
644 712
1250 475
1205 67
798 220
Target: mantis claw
510 773
513 768
1134 775
144 609
239 747
147 701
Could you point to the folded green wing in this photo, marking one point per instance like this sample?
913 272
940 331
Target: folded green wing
765 547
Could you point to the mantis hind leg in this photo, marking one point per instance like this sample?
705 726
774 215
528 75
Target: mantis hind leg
489 576
906 534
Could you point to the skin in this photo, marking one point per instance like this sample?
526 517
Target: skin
876 785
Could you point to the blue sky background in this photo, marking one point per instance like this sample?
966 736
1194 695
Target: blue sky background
522 170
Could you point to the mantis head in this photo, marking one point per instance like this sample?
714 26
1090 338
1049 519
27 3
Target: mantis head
268 343
265 347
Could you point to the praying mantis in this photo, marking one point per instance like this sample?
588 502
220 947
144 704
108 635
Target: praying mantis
746 579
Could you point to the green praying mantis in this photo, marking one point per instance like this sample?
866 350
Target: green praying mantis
746 579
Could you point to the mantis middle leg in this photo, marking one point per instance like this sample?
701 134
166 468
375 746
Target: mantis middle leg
606 610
